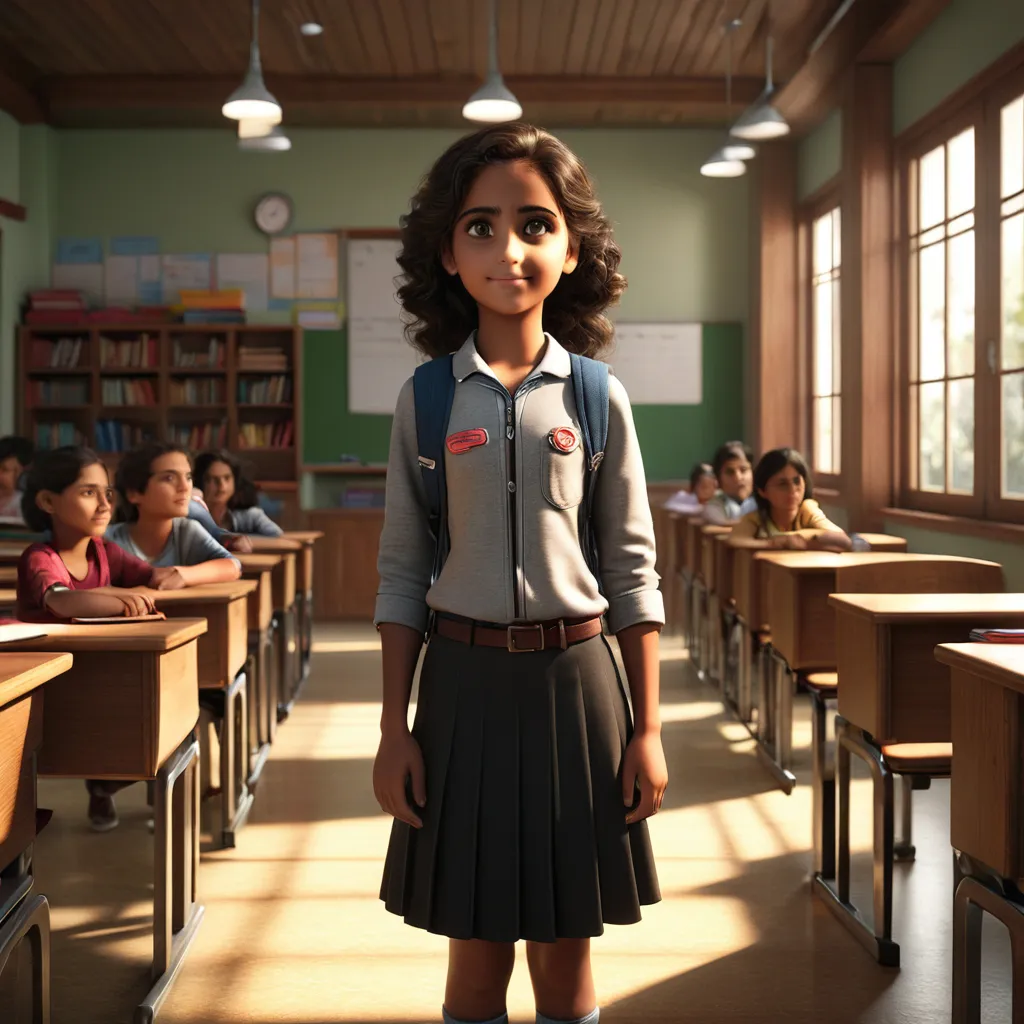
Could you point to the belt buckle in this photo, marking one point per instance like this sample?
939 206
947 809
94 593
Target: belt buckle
511 641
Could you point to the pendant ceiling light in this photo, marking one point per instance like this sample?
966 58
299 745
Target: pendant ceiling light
761 120
275 141
252 100
493 102
253 128
727 160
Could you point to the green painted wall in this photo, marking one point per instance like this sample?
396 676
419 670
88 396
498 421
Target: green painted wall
820 155
934 542
672 437
962 41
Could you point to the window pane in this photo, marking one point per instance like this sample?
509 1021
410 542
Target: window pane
961 435
932 437
1013 292
932 177
837 434
961 173
1012 149
823 244
932 316
837 248
837 366
823 338
1013 436
961 305
823 435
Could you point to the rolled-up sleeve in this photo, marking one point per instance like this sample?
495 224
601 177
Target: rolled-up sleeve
623 523
406 554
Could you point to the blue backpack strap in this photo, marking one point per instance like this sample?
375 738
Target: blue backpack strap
590 388
433 393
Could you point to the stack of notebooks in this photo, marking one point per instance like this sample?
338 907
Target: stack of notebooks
56 306
213 306
997 636
262 359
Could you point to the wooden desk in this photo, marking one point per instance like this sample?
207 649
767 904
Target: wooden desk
693 549
8 575
127 709
304 585
725 561
708 563
22 913
985 808
8 602
10 551
223 651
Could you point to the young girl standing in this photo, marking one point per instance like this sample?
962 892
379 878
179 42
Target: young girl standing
521 792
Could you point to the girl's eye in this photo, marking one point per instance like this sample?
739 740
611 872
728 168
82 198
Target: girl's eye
537 227
482 225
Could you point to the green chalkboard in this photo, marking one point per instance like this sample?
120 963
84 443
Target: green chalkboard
672 437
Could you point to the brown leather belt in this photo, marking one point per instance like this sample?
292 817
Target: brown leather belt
540 636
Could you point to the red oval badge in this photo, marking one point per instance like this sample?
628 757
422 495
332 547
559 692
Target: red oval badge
465 440
564 439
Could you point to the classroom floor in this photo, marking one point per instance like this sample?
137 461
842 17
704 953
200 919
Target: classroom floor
294 931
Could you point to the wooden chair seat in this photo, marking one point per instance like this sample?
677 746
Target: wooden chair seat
932 759
824 683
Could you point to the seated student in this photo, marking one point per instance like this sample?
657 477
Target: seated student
787 516
735 475
15 457
77 574
702 490
154 482
231 497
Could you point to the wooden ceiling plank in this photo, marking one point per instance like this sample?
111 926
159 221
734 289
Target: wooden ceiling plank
480 38
508 36
467 14
701 31
599 38
675 35
344 44
365 16
20 101
636 34
747 40
531 19
396 31
901 31
580 36
421 35
612 59
444 35
794 26
555 36
658 25
218 38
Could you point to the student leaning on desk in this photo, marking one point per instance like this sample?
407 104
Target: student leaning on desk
787 516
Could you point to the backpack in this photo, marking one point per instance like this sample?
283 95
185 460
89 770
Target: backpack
434 392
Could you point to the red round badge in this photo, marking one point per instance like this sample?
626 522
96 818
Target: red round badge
564 439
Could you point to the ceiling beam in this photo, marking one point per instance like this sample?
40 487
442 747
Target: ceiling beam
18 100
872 31
77 94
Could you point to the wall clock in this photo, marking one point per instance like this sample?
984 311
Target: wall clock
273 213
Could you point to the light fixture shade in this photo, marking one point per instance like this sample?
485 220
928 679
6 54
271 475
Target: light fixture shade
275 141
252 100
254 128
718 165
760 121
492 103
738 149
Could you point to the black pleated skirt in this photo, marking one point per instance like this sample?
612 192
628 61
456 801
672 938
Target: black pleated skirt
524 833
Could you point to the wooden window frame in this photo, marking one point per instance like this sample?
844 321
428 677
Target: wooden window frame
978 104
816 205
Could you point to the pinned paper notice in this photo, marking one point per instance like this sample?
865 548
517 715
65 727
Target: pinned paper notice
187 272
316 258
282 268
249 272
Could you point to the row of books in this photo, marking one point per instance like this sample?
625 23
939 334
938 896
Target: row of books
56 435
58 354
59 392
261 357
126 391
272 390
265 435
115 436
202 391
200 435
209 358
127 354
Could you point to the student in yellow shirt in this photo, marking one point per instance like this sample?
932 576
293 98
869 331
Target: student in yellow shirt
787 516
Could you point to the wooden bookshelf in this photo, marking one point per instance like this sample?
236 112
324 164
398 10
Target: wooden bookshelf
198 403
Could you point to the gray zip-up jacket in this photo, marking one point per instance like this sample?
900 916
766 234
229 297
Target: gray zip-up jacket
515 482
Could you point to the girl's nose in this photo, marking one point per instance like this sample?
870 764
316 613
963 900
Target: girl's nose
513 248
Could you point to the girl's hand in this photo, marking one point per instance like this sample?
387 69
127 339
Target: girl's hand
238 543
136 603
168 578
399 758
644 763
790 542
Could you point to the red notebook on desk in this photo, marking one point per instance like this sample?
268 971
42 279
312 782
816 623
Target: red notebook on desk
997 636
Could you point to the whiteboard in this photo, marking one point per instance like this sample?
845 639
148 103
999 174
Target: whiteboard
659 364
380 360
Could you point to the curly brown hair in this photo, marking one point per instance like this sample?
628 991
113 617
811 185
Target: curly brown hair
440 313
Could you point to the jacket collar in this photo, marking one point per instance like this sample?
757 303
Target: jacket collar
467 361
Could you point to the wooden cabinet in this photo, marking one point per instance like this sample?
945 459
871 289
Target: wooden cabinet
345 582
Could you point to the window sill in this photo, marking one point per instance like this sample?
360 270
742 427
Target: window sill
829 495
961 525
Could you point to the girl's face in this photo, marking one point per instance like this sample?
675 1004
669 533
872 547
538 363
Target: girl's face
785 493
510 245
168 489
706 488
219 484
85 506
737 479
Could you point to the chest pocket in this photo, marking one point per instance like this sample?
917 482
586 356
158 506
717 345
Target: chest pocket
561 467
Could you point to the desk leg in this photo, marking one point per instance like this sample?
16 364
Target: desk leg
236 798
823 788
258 672
307 633
176 914
24 915
286 645
775 719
